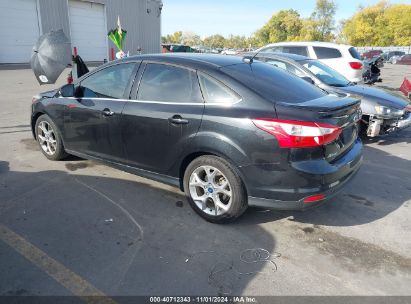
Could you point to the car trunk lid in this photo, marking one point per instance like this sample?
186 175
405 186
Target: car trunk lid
343 113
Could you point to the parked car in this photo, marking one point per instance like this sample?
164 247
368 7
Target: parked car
389 55
343 58
382 112
228 52
405 59
229 133
371 54
176 48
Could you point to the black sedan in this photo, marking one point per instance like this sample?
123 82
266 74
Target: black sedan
230 133
383 112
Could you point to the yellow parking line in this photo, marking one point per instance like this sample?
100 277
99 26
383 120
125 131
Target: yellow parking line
67 278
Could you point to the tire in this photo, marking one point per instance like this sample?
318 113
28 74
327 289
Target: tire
49 139
214 189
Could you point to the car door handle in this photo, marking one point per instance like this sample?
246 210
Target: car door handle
107 112
178 120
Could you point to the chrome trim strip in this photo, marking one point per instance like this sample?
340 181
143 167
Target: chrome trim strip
158 102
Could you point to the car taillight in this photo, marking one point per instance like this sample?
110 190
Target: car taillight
356 65
298 134
314 198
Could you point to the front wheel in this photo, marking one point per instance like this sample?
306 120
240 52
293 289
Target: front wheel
214 189
49 138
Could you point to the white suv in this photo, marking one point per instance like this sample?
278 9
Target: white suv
342 58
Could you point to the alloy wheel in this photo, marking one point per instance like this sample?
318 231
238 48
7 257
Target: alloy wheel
210 190
46 138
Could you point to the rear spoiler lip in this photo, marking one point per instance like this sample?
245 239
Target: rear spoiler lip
320 105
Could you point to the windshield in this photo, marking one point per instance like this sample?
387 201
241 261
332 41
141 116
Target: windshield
326 74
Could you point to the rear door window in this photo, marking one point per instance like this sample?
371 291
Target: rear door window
216 92
167 83
326 53
298 50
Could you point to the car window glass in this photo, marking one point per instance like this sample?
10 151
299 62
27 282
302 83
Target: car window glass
271 49
273 83
326 53
216 92
298 50
354 53
161 82
326 74
110 82
285 66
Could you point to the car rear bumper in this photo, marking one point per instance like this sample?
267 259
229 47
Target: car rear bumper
290 188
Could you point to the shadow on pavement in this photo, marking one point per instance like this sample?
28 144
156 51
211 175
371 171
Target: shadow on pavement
124 237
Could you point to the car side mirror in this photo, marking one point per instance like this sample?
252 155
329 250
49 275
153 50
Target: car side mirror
308 79
67 90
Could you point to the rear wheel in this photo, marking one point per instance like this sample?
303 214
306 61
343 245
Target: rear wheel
49 138
214 189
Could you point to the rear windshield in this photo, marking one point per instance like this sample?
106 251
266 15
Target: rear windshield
354 53
273 83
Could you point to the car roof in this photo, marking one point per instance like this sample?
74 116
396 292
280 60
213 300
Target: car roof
194 60
309 43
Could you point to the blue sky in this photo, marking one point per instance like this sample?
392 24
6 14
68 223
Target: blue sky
239 17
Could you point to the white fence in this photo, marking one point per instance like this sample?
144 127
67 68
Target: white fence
405 49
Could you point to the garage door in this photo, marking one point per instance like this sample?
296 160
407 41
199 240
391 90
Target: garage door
88 30
19 30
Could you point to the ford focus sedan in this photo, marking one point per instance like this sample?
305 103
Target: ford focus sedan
230 133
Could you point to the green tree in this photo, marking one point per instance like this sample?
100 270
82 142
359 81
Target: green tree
283 26
322 19
173 38
215 41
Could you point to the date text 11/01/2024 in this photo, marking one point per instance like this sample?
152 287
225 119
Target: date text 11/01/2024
222 299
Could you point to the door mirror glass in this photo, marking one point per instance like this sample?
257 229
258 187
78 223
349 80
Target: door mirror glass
308 79
67 90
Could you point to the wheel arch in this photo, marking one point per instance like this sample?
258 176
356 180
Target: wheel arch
192 156
34 119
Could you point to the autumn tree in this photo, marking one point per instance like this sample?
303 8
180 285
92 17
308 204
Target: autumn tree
173 38
283 26
380 25
215 41
322 20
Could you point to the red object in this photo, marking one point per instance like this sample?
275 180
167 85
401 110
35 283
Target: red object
314 198
112 54
371 54
75 51
405 87
70 78
405 59
298 134
356 65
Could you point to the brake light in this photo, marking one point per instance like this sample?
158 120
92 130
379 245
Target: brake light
298 134
314 198
356 65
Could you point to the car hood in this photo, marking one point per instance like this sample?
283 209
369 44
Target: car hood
380 96
49 94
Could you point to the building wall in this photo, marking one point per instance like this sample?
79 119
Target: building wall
143 28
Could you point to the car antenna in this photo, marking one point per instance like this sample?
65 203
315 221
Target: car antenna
250 59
